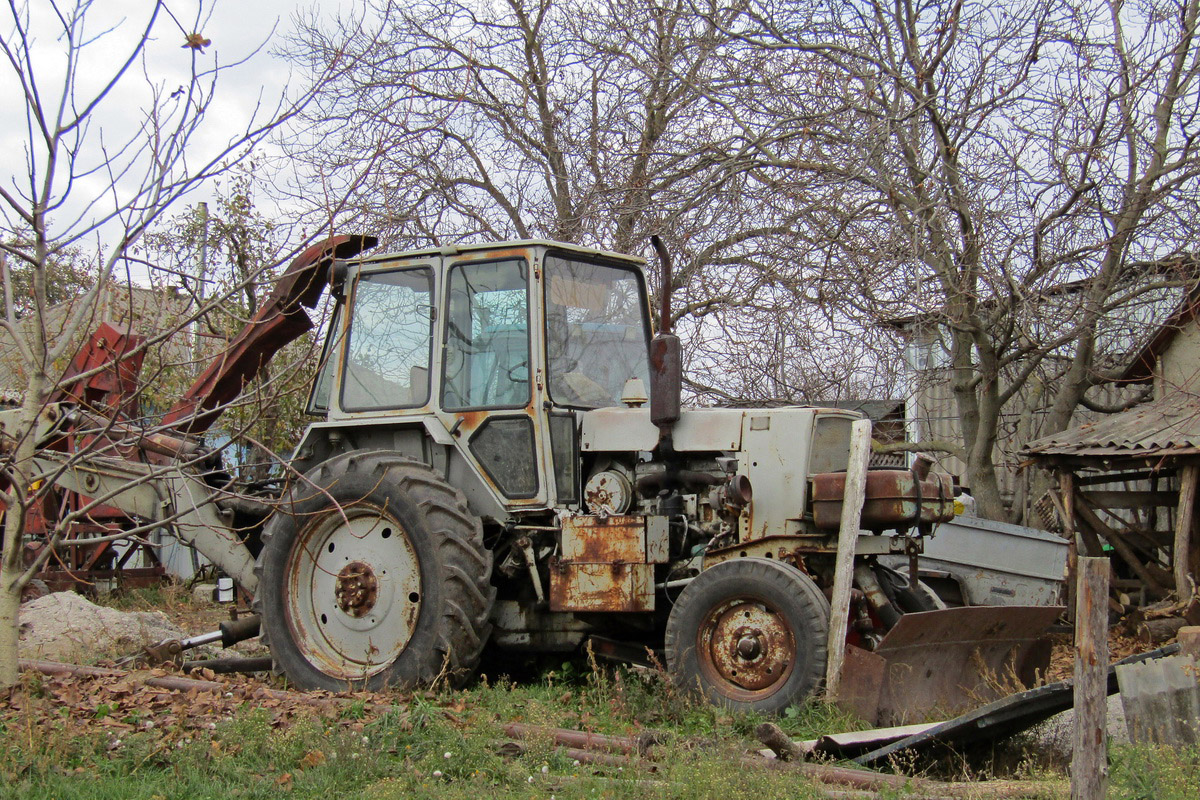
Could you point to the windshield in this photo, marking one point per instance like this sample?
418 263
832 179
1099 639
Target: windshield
596 335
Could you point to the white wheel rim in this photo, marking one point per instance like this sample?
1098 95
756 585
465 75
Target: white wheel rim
341 628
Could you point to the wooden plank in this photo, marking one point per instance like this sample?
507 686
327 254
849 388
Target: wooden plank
1116 477
843 571
1088 516
1089 541
1183 531
1115 499
1089 756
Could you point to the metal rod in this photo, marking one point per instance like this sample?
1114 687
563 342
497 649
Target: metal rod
201 639
674 584
227 665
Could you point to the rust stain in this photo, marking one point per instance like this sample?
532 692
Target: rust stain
785 548
894 499
603 566
748 647
604 539
492 255
356 589
602 587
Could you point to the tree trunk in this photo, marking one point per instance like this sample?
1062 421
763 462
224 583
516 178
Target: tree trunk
12 567
10 604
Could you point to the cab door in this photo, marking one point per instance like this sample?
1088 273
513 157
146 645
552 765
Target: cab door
490 377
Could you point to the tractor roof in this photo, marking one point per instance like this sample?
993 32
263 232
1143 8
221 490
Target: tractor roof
456 249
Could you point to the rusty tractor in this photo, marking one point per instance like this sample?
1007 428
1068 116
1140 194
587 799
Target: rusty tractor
502 459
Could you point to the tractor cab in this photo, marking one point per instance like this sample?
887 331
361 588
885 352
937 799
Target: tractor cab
494 348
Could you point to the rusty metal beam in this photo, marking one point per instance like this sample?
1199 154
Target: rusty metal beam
280 320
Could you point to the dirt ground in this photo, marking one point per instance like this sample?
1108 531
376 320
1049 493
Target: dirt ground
116 705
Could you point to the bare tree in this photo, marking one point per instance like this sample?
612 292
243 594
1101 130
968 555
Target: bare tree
83 179
232 248
593 122
1011 184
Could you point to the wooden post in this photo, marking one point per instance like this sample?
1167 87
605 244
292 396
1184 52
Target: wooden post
1066 490
1183 531
843 571
1089 759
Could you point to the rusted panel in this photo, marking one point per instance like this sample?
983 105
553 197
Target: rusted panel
658 539
859 689
950 660
109 361
603 564
601 587
596 539
895 498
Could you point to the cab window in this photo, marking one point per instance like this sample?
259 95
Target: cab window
487 336
596 331
389 341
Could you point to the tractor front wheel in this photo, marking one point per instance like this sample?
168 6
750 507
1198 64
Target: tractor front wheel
373 573
749 634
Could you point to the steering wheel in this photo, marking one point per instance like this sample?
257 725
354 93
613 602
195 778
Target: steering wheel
513 370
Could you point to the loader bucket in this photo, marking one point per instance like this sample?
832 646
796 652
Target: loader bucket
941 663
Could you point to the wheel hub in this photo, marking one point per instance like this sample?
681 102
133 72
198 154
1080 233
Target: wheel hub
748 645
356 589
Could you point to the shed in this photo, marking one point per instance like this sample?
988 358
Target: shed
1127 484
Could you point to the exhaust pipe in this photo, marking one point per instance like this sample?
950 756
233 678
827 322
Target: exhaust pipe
666 358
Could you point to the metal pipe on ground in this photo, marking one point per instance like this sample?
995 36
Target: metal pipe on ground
224 666
588 741
514 749
773 737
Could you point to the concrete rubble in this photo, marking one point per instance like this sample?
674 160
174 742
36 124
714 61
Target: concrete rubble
66 626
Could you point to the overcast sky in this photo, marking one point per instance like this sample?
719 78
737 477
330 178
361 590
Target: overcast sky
235 27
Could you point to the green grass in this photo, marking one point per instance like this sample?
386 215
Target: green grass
398 754
1145 772
362 753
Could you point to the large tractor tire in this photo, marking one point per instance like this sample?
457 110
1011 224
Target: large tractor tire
749 634
373 573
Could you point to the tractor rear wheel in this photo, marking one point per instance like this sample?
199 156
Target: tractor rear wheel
749 634
373 573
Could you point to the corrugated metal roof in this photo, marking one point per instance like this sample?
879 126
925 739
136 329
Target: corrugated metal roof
1169 426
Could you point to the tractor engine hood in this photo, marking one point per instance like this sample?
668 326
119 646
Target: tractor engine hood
629 430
